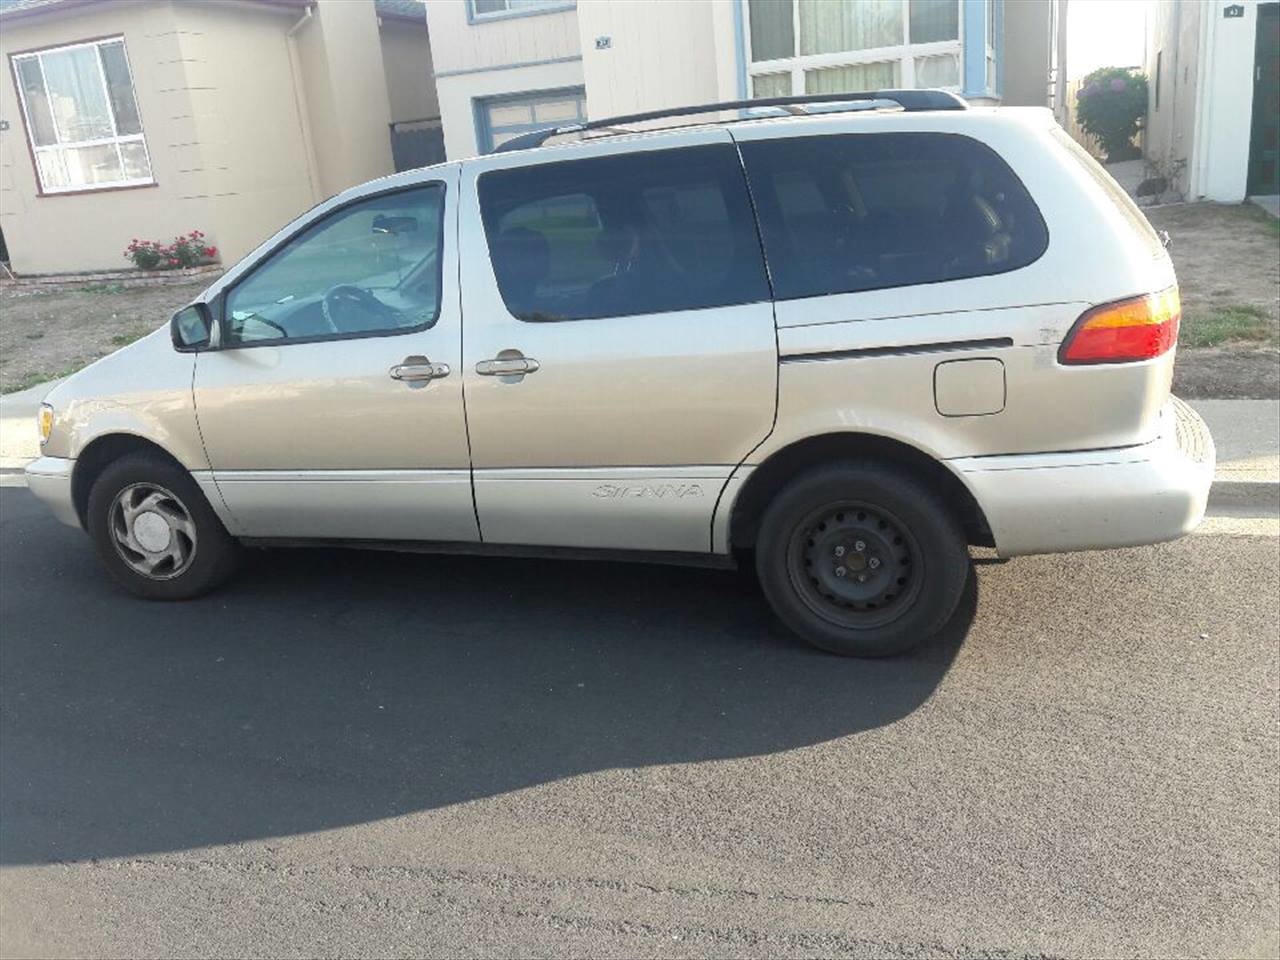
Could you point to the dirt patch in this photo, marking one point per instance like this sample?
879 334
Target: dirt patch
48 333
1228 263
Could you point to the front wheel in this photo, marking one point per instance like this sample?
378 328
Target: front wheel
155 532
861 560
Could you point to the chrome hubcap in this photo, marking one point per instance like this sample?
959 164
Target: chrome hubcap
152 531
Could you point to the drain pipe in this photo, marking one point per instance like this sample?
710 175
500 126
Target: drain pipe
300 102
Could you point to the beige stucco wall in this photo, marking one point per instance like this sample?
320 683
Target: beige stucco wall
228 129
247 135
62 233
406 61
1027 42
1173 39
348 109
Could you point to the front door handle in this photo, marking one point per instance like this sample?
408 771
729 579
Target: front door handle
500 366
417 369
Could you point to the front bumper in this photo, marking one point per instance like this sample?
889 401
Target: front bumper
1097 499
49 478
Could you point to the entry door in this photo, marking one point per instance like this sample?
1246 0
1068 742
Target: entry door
1264 146
619 354
333 405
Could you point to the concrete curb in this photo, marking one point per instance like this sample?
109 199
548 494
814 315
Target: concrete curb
1245 432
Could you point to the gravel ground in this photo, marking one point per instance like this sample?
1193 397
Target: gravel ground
378 755
1226 255
49 333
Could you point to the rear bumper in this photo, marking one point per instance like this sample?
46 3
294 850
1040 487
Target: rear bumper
1097 499
49 478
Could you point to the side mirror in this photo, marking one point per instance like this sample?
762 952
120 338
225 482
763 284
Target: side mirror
191 328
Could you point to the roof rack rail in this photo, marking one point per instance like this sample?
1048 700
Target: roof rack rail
909 100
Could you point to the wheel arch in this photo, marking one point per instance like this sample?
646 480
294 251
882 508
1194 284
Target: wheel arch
782 466
98 454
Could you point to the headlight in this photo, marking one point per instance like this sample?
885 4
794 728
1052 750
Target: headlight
45 420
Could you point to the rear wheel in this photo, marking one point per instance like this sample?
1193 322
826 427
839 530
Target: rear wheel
861 560
155 532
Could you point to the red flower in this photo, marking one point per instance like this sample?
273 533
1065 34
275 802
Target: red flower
210 251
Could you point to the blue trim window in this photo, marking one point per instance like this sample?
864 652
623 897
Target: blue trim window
482 11
498 119
838 46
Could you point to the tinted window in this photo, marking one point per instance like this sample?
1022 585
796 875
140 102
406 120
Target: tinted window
371 267
614 236
868 211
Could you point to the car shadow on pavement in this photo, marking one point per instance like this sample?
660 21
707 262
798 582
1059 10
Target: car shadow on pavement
327 688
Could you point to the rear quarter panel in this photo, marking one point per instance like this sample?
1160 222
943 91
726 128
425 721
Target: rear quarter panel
1095 254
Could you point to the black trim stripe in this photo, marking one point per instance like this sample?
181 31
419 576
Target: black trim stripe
905 350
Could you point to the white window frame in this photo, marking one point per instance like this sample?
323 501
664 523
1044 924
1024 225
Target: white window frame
474 16
904 54
116 139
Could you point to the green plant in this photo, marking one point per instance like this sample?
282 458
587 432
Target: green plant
1109 105
185 251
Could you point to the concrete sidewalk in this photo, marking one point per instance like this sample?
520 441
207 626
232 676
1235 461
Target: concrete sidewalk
19 441
1245 432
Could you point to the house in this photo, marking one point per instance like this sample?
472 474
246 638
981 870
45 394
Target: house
1213 117
151 118
503 67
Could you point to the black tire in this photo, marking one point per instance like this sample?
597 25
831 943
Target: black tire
904 558
211 554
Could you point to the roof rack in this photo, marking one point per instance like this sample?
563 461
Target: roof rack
909 100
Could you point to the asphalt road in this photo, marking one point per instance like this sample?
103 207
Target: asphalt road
367 754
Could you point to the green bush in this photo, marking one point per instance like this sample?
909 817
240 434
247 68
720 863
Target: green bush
1109 105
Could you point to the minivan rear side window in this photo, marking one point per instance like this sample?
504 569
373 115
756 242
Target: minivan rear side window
647 232
854 212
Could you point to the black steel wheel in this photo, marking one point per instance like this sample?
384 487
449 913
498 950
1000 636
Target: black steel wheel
851 563
861 560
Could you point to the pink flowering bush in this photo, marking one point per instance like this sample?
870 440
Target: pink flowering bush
1110 104
185 251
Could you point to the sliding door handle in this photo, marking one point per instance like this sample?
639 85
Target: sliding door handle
500 366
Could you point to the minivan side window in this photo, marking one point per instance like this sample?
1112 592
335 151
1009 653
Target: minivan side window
647 232
371 268
852 212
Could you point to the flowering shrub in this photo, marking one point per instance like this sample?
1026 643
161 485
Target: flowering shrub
185 251
1110 103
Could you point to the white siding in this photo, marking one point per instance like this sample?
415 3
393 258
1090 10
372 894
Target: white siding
659 54
459 93
1206 96
457 44
1220 164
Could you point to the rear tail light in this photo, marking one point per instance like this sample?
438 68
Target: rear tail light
1135 329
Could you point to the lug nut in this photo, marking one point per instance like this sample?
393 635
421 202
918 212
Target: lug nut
839 551
841 572
859 545
862 578
873 563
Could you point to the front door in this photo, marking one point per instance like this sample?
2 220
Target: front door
332 407
1264 143
619 356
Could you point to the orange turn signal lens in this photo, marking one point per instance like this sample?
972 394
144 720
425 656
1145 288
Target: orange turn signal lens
44 422
1138 328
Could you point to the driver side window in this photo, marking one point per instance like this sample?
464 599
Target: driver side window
371 268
